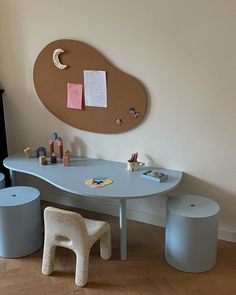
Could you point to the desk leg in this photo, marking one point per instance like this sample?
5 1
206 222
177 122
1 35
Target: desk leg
13 177
123 239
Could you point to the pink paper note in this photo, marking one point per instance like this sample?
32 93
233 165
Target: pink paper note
74 96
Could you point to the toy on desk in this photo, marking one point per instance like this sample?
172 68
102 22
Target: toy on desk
29 152
43 160
155 175
133 164
98 182
53 158
41 151
66 157
55 138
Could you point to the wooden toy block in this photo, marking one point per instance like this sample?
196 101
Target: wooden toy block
61 151
28 152
66 160
67 153
53 158
43 160
51 145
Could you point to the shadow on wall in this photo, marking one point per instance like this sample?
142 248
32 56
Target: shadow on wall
227 201
78 147
151 161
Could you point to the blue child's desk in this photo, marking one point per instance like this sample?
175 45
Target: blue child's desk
126 185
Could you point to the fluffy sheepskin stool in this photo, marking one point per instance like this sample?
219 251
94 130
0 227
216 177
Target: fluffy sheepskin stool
70 230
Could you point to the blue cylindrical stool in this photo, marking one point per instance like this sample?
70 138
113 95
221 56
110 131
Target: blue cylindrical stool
2 180
191 233
20 221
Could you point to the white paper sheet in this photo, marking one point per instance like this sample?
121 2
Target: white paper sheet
95 89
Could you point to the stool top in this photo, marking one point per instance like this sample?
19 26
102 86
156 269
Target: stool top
2 176
17 195
192 206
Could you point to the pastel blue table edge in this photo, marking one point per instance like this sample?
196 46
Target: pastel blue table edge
133 185
125 184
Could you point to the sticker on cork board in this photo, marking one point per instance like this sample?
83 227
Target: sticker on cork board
64 61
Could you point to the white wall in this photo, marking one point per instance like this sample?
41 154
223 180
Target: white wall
184 53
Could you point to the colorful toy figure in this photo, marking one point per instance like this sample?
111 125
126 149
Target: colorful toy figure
41 151
55 138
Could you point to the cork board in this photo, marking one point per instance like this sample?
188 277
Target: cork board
123 90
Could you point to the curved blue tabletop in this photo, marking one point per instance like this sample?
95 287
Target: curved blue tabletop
125 184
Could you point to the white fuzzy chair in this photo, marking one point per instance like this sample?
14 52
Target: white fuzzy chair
70 230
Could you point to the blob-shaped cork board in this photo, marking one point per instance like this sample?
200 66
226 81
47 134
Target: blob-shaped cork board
124 92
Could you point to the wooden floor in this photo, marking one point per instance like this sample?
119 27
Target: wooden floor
145 272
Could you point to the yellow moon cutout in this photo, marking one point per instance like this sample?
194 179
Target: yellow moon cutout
91 183
56 59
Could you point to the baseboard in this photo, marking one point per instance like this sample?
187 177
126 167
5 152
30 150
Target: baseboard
112 208
227 235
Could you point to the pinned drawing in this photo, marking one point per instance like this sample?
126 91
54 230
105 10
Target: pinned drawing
95 89
74 96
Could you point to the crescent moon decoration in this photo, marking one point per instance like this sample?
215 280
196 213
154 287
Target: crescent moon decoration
56 59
